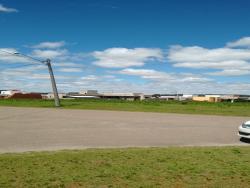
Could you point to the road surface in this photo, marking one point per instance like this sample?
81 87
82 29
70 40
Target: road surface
37 129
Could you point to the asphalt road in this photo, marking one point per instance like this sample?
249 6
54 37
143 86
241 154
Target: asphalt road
37 129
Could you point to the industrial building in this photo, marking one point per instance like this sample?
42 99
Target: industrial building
94 94
106 95
17 94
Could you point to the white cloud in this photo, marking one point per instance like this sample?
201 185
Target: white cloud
90 77
243 42
123 57
230 72
49 53
214 65
197 57
6 9
196 54
145 73
50 45
159 76
67 64
70 70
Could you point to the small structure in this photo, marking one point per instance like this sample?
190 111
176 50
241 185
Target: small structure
51 95
167 97
148 96
207 98
230 98
186 97
139 96
89 92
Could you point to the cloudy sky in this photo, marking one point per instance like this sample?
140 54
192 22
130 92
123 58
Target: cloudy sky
150 46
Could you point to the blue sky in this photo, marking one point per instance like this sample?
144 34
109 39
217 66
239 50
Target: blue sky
151 46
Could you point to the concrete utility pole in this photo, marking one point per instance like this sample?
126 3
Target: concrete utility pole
53 83
48 63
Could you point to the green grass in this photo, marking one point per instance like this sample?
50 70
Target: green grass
148 167
224 108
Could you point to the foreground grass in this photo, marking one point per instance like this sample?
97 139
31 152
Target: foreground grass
151 167
224 108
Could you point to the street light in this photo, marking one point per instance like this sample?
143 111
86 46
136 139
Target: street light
52 78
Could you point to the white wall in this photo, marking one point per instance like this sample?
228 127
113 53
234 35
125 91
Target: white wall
10 92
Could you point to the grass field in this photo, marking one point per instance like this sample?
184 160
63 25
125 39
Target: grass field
148 167
224 108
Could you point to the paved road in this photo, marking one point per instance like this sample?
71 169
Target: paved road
33 129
